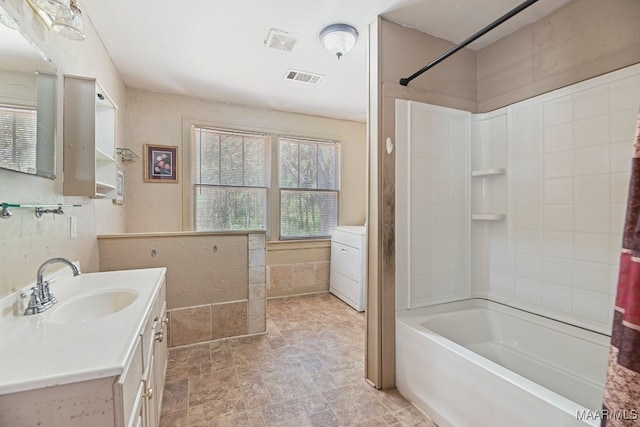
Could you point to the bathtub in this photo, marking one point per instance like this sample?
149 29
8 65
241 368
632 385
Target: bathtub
479 363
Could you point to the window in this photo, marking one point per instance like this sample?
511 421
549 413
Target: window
309 186
18 138
231 179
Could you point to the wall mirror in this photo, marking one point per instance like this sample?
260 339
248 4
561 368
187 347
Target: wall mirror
28 103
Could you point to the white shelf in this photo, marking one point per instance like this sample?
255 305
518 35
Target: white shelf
104 186
488 172
488 216
101 156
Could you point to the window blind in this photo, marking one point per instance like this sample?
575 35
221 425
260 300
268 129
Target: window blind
309 187
231 179
18 138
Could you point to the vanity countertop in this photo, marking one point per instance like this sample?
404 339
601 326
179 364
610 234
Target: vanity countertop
39 351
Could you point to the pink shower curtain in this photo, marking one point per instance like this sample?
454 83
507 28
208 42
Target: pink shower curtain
621 405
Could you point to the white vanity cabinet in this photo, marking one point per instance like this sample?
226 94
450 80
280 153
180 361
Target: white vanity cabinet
104 372
138 391
90 167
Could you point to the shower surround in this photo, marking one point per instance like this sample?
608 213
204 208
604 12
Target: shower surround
523 206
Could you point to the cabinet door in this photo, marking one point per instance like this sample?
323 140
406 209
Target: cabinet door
151 416
90 168
138 411
127 388
160 357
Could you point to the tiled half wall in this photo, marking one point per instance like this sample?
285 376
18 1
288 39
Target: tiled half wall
216 283
298 278
297 267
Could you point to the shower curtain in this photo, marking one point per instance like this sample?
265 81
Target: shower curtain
621 406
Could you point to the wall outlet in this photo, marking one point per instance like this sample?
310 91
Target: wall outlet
73 227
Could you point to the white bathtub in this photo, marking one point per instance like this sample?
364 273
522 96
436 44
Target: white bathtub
478 363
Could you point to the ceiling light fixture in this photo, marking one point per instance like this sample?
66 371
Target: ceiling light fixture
62 16
338 39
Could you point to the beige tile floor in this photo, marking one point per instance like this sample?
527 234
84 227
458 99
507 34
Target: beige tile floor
306 371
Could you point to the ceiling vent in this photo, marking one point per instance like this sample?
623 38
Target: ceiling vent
303 76
281 40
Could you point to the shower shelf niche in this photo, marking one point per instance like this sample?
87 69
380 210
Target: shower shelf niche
489 204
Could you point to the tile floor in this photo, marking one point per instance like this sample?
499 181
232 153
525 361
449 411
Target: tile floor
306 371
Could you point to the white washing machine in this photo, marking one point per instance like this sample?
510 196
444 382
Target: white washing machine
348 275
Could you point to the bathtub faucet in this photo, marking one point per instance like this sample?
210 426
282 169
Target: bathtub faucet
41 296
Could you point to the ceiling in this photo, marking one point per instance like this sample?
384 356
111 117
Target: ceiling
215 49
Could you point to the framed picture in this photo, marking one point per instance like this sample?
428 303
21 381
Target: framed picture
119 187
160 163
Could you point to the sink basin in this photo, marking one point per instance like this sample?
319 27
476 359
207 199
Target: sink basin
92 306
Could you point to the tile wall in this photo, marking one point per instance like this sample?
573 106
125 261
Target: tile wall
488 240
298 278
568 172
190 325
566 157
432 205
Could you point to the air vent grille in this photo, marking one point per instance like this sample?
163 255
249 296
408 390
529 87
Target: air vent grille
281 40
303 77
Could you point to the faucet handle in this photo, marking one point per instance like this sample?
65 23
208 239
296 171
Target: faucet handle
34 302
47 296
35 296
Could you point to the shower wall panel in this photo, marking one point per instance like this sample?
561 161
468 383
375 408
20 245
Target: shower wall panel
541 225
488 175
432 207
570 157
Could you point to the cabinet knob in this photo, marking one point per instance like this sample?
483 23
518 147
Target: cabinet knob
344 250
164 320
159 336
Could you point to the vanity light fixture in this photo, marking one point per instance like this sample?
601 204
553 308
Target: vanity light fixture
70 26
53 7
339 39
62 16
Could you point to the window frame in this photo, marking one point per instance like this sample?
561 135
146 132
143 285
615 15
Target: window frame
195 186
273 191
337 191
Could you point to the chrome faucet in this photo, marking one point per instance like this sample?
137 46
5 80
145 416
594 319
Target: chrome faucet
41 296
